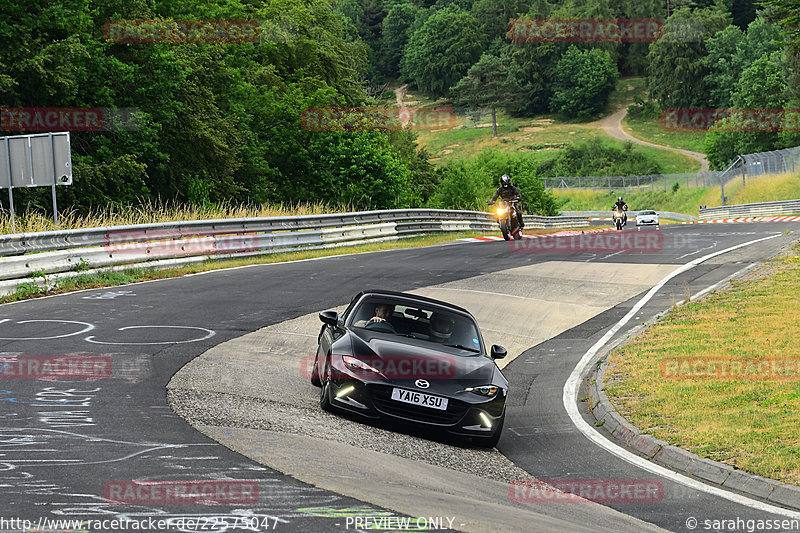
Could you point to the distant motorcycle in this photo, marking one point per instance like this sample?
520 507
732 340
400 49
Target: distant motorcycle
506 214
619 218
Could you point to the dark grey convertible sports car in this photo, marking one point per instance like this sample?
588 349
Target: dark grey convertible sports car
411 359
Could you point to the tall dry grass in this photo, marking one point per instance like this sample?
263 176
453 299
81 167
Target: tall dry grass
153 212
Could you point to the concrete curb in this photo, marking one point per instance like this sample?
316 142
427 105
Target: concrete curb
672 457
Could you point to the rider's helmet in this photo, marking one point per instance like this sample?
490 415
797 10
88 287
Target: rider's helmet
619 199
505 180
441 327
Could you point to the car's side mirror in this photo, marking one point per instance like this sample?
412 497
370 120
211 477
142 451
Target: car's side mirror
329 317
498 352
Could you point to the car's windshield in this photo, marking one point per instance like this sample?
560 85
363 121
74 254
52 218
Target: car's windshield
417 321
648 213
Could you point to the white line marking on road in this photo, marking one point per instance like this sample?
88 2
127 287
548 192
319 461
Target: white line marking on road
570 398
209 333
698 251
611 255
88 327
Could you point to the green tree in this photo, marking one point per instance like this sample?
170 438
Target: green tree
397 27
490 83
762 87
584 82
731 51
442 50
468 185
357 169
592 158
789 13
675 69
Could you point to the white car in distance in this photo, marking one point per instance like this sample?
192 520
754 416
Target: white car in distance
647 218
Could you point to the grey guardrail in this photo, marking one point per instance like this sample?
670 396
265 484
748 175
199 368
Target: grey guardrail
784 207
663 214
538 222
28 255
103 236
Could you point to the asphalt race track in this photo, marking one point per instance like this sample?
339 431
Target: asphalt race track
65 445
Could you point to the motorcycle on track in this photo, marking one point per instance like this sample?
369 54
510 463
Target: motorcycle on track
619 218
505 212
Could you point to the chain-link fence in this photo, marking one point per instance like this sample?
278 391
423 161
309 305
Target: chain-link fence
746 167
625 183
765 163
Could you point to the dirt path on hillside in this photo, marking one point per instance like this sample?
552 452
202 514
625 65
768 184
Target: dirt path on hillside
612 125
400 93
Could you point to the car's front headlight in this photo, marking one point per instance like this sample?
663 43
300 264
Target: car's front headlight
484 390
357 365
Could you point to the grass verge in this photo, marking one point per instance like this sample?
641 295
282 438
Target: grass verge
541 137
750 420
685 200
650 130
149 212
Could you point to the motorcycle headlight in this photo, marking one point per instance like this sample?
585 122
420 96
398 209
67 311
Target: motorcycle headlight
501 210
484 390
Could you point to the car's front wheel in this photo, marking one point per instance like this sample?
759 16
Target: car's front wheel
325 396
315 374
325 392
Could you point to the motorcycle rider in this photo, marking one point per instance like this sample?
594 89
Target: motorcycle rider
622 206
509 193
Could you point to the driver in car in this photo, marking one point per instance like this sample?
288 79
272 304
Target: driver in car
383 312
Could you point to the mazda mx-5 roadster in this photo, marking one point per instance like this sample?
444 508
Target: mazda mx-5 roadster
408 359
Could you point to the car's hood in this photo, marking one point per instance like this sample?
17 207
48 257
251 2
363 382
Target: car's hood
404 358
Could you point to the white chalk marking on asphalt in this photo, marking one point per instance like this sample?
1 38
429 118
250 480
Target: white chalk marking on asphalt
209 333
698 251
570 398
88 327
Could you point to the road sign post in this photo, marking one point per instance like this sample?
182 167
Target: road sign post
38 160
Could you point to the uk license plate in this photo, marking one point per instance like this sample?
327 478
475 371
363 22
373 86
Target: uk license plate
419 398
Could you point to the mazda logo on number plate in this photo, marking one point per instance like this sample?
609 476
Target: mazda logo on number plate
422 384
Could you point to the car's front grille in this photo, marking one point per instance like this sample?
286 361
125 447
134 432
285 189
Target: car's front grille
382 399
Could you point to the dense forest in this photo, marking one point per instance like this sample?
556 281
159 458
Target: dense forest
221 121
